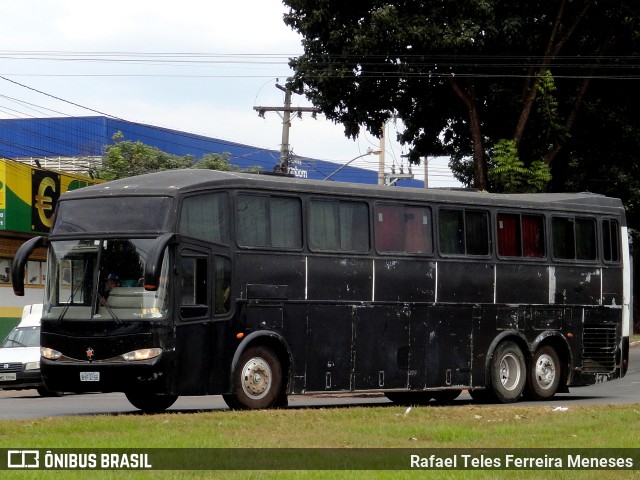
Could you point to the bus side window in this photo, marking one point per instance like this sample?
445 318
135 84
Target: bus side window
388 224
403 229
533 236
464 232
338 225
269 221
417 230
563 238
610 241
206 217
194 287
574 238
509 238
520 235
586 248
451 226
222 282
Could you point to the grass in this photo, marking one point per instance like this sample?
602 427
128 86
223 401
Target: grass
421 429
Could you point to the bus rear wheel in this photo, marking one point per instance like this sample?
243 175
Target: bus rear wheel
151 402
508 372
544 374
257 380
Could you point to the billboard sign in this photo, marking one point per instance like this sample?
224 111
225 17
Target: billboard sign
28 196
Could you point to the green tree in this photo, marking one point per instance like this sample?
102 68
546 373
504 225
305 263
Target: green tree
510 175
463 75
125 158
215 161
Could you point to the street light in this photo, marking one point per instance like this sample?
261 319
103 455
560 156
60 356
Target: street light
370 151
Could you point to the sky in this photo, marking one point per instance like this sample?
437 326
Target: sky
195 65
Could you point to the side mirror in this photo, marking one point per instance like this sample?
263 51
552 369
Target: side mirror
20 261
154 261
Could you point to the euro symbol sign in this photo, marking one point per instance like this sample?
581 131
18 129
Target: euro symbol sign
44 203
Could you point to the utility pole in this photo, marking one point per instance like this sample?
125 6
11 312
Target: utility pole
381 158
285 151
426 172
287 110
392 178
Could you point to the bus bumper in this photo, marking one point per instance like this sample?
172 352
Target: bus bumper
152 376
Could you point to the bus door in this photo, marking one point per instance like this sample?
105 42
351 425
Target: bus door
192 320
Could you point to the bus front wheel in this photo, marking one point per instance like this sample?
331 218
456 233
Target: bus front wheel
150 402
257 380
508 372
544 374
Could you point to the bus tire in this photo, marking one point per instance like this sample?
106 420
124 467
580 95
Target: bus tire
257 380
150 402
544 374
44 392
508 372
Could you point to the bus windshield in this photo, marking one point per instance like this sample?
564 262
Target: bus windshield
102 279
113 214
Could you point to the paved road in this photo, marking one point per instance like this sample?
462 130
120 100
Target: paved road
27 403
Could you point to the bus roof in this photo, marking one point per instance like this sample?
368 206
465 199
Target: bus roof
175 183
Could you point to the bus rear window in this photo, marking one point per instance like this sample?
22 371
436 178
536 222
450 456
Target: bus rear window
113 214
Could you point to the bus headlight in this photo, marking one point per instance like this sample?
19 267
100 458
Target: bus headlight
142 354
32 366
50 353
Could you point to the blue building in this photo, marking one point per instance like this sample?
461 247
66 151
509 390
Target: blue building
41 138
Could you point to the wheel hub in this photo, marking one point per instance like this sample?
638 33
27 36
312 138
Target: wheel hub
509 372
545 371
256 378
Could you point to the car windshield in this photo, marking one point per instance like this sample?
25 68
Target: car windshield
102 279
22 337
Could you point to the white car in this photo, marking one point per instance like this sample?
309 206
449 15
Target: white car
20 355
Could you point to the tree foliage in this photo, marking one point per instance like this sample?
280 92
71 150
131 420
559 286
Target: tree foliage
125 158
464 75
510 175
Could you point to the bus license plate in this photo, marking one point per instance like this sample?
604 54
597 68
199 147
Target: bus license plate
7 377
89 376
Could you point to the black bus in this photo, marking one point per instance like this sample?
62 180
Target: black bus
255 287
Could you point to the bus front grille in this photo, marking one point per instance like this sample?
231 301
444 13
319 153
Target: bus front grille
599 349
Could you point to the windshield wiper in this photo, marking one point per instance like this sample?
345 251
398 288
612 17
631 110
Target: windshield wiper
20 344
74 290
102 301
